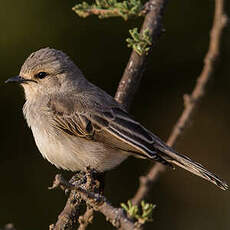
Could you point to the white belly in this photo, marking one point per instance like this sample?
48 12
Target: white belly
75 153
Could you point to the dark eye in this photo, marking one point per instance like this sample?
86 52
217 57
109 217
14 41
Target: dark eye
41 75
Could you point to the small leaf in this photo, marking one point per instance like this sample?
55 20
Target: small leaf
141 43
134 212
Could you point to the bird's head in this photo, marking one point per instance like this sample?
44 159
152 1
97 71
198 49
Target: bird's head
46 71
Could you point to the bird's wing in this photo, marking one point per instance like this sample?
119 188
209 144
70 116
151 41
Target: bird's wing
111 125
67 119
125 132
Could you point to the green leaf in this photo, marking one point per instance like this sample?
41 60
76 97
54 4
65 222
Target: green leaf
143 215
141 43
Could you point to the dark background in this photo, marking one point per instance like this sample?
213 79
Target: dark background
98 47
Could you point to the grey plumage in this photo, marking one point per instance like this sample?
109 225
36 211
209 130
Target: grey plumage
76 124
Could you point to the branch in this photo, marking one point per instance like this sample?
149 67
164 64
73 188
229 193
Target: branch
115 216
105 13
190 101
86 219
67 219
132 75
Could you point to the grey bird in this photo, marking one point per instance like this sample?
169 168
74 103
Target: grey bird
77 125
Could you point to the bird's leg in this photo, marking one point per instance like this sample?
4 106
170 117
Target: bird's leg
77 179
95 180
90 180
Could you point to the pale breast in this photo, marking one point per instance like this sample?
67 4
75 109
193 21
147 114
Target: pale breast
75 153
67 151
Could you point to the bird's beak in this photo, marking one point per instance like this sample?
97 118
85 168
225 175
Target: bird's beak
16 79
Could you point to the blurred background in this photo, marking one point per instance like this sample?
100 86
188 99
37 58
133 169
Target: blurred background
99 49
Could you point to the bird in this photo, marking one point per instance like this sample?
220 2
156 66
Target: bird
77 125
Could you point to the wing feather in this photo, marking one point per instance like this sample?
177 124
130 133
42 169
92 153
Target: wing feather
118 123
111 125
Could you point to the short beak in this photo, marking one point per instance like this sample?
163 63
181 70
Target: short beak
17 79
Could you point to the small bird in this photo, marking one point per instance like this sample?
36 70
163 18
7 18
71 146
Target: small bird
77 125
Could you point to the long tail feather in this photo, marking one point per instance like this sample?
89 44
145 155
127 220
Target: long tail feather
184 162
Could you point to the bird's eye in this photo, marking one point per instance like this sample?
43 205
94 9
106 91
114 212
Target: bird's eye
41 75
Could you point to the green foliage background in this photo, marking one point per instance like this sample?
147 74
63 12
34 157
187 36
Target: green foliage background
99 48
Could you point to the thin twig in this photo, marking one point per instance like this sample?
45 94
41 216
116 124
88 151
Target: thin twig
191 101
107 12
115 216
113 10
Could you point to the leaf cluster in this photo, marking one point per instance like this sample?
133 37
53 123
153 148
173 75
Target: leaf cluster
140 42
110 8
142 216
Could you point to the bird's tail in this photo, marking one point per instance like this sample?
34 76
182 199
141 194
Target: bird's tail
183 161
